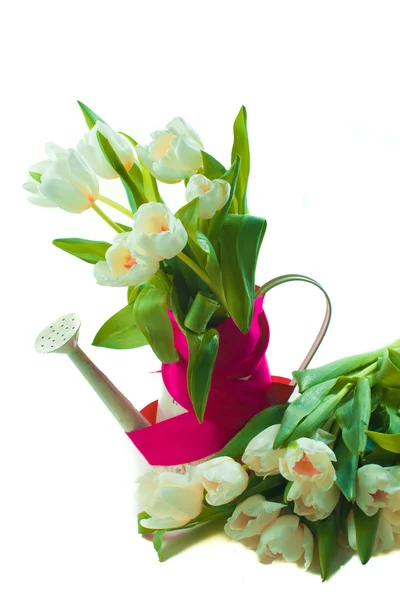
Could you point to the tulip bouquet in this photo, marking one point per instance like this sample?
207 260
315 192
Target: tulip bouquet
230 446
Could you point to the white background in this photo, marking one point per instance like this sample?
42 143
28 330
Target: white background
321 84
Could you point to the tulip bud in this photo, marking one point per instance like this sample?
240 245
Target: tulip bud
311 501
223 479
286 538
259 454
91 150
64 180
212 194
123 266
308 461
251 517
377 487
157 233
174 154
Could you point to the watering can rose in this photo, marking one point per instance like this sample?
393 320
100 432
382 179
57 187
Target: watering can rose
123 265
173 154
65 181
90 149
157 233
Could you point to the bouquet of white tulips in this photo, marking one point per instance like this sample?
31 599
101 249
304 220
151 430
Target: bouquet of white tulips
279 475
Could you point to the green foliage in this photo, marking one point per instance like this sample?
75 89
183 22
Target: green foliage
200 313
90 116
366 529
241 238
120 332
212 169
217 222
346 470
241 148
36 176
151 317
387 441
354 417
203 350
158 542
90 251
134 194
267 417
327 540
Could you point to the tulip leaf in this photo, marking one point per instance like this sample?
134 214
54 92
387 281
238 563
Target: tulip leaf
120 332
327 535
36 176
387 441
389 372
90 251
241 148
217 222
200 313
382 457
309 377
346 470
391 402
135 195
203 350
259 485
264 419
366 529
300 408
241 237
144 177
212 169
90 116
354 417
158 542
151 317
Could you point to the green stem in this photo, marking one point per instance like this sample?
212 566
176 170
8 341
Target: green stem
110 222
116 205
199 271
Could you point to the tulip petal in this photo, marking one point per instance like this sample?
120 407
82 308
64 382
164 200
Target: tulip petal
65 195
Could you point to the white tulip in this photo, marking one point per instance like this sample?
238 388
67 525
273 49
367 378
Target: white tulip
66 181
174 154
223 479
308 461
157 232
123 265
213 195
171 499
91 150
387 535
259 454
251 517
377 487
286 538
313 502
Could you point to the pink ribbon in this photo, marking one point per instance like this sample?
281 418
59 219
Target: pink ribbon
241 386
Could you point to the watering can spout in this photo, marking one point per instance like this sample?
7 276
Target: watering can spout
61 337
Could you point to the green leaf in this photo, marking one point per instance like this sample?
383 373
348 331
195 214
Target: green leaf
217 222
241 148
387 441
391 402
150 314
158 542
203 350
90 251
120 332
259 485
382 457
200 313
264 419
241 238
327 535
188 215
36 176
308 378
354 417
135 196
90 116
389 372
346 470
212 169
366 529
300 408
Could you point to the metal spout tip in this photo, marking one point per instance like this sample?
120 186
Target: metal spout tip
59 336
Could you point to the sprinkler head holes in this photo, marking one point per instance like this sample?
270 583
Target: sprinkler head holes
60 336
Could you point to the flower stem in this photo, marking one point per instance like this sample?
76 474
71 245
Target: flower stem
110 222
203 275
116 205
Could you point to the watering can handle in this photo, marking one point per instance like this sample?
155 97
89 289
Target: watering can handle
328 313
